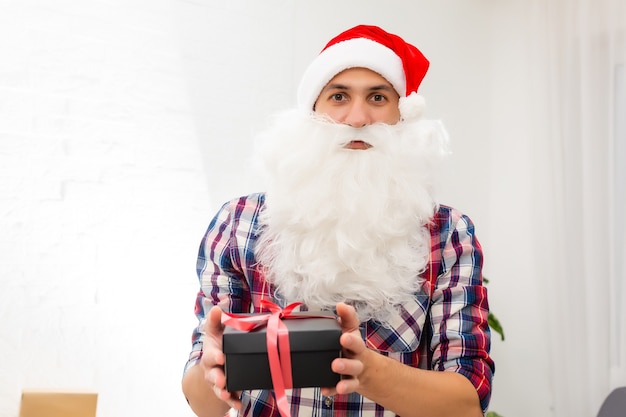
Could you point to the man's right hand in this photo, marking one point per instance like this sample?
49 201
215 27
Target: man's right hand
204 384
213 359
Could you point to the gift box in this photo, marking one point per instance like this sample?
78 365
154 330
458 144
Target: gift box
314 344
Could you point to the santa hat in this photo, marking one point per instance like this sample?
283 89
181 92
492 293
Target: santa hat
400 63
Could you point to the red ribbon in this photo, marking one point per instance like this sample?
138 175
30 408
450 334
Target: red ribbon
278 350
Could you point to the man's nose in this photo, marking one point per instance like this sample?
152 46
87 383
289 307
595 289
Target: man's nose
358 115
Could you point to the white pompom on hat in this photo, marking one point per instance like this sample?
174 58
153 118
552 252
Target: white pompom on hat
399 62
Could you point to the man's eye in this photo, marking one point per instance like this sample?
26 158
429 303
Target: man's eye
337 97
378 97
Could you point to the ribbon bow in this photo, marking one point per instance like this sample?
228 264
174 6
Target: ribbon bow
278 350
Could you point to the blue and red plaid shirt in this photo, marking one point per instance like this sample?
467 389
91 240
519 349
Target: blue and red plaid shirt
444 329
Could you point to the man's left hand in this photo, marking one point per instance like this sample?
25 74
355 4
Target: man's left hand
354 355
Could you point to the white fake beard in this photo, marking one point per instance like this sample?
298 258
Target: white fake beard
348 225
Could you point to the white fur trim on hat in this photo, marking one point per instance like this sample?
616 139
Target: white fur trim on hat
352 53
411 107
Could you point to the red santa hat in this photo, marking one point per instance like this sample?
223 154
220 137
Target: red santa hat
399 62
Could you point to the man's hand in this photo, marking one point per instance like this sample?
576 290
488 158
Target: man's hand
213 358
393 384
352 363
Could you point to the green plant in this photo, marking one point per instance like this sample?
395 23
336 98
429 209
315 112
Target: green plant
495 325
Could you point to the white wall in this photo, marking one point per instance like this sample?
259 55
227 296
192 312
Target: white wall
124 124
103 200
516 291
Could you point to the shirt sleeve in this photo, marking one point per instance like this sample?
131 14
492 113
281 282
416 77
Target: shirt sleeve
220 270
461 336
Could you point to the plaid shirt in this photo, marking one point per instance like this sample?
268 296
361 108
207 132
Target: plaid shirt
444 329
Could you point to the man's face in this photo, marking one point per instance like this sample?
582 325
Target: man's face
359 97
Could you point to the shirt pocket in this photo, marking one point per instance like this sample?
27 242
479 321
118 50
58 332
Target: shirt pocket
402 333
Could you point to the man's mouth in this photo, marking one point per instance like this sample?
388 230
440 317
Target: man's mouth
357 145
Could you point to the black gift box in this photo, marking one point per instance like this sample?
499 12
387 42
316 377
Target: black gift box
313 341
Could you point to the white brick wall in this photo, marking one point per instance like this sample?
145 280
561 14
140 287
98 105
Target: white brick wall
103 200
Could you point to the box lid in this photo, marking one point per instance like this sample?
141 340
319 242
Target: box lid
310 334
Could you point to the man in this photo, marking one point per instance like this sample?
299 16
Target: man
349 222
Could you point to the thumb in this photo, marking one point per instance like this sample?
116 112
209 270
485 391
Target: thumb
348 318
213 323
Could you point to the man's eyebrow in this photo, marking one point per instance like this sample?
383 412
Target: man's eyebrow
337 86
383 87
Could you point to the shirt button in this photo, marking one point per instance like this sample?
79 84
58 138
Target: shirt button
328 401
